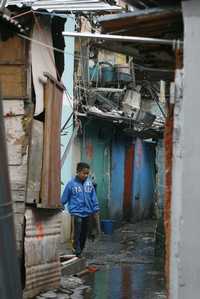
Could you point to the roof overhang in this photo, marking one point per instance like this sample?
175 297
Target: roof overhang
66 5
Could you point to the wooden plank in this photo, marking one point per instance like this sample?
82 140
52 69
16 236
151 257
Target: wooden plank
14 129
18 196
18 177
12 108
50 187
35 158
13 80
14 154
18 207
12 51
19 218
14 139
19 232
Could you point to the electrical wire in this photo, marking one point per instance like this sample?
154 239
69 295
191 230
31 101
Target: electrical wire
21 14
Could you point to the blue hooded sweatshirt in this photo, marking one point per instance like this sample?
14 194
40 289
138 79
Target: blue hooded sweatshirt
80 198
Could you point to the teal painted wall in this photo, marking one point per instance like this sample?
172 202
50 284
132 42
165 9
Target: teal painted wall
95 150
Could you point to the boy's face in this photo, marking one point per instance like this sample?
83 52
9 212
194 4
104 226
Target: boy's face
83 174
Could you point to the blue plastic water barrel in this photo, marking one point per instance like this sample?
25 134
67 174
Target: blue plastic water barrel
107 226
107 74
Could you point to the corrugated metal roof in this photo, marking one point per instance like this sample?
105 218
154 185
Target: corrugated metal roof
66 5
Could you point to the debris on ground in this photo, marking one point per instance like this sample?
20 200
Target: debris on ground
127 254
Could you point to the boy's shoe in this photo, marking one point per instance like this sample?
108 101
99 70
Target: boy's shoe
78 255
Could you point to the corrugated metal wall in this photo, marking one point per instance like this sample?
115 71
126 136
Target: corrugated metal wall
42 236
95 149
124 171
144 179
128 181
117 179
160 177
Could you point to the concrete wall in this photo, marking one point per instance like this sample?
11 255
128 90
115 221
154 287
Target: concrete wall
185 242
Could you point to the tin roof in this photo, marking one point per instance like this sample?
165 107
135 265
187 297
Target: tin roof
65 5
144 4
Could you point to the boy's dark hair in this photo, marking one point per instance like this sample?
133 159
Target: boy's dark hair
81 165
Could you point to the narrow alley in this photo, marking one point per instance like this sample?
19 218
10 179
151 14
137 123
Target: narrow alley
99 155
121 265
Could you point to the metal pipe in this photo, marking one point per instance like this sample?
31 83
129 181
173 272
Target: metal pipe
132 39
10 283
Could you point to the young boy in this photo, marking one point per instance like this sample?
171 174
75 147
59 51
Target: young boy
81 200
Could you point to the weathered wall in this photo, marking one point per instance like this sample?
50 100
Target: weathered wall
124 171
117 179
185 244
13 78
143 179
160 175
95 149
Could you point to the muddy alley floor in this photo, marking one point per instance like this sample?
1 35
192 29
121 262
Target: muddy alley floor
126 267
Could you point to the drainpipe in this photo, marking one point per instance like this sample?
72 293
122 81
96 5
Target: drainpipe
10 284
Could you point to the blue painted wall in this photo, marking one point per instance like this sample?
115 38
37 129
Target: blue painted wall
106 155
160 177
144 179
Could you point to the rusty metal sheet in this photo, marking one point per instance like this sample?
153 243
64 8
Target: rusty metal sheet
35 158
51 177
42 263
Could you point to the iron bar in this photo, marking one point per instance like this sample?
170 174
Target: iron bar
132 39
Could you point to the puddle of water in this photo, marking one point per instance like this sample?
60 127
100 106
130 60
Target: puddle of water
138 281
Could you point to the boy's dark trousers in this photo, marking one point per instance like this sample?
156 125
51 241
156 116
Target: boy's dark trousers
80 233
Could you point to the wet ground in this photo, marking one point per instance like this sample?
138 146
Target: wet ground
126 267
127 264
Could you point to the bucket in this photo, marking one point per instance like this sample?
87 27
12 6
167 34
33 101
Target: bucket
107 226
107 74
